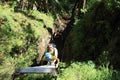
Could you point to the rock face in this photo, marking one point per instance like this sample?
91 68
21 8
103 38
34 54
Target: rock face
45 39
56 35
51 35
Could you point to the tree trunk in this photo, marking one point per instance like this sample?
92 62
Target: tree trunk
79 4
84 3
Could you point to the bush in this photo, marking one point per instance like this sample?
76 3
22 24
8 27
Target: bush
86 71
20 34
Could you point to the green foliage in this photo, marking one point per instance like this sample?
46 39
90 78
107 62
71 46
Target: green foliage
20 34
96 31
86 71
7 68
112 3
38 77
90 3
62 64
64 6
103 58
45 19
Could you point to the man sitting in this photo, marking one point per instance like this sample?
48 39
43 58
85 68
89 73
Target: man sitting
51 56
51 60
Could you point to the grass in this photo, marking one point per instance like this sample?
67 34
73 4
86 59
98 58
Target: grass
87 71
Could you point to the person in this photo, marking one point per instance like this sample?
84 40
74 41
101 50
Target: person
52 49
51 60
51 55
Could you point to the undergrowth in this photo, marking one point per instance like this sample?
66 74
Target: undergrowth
20 33
88 71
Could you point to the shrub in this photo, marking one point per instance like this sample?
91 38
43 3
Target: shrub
20 34
86 71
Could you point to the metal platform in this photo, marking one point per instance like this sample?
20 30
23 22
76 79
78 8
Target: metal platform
36 70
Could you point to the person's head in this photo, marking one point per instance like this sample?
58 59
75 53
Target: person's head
50 46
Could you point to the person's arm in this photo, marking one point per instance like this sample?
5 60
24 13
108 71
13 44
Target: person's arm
56 52
56 59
